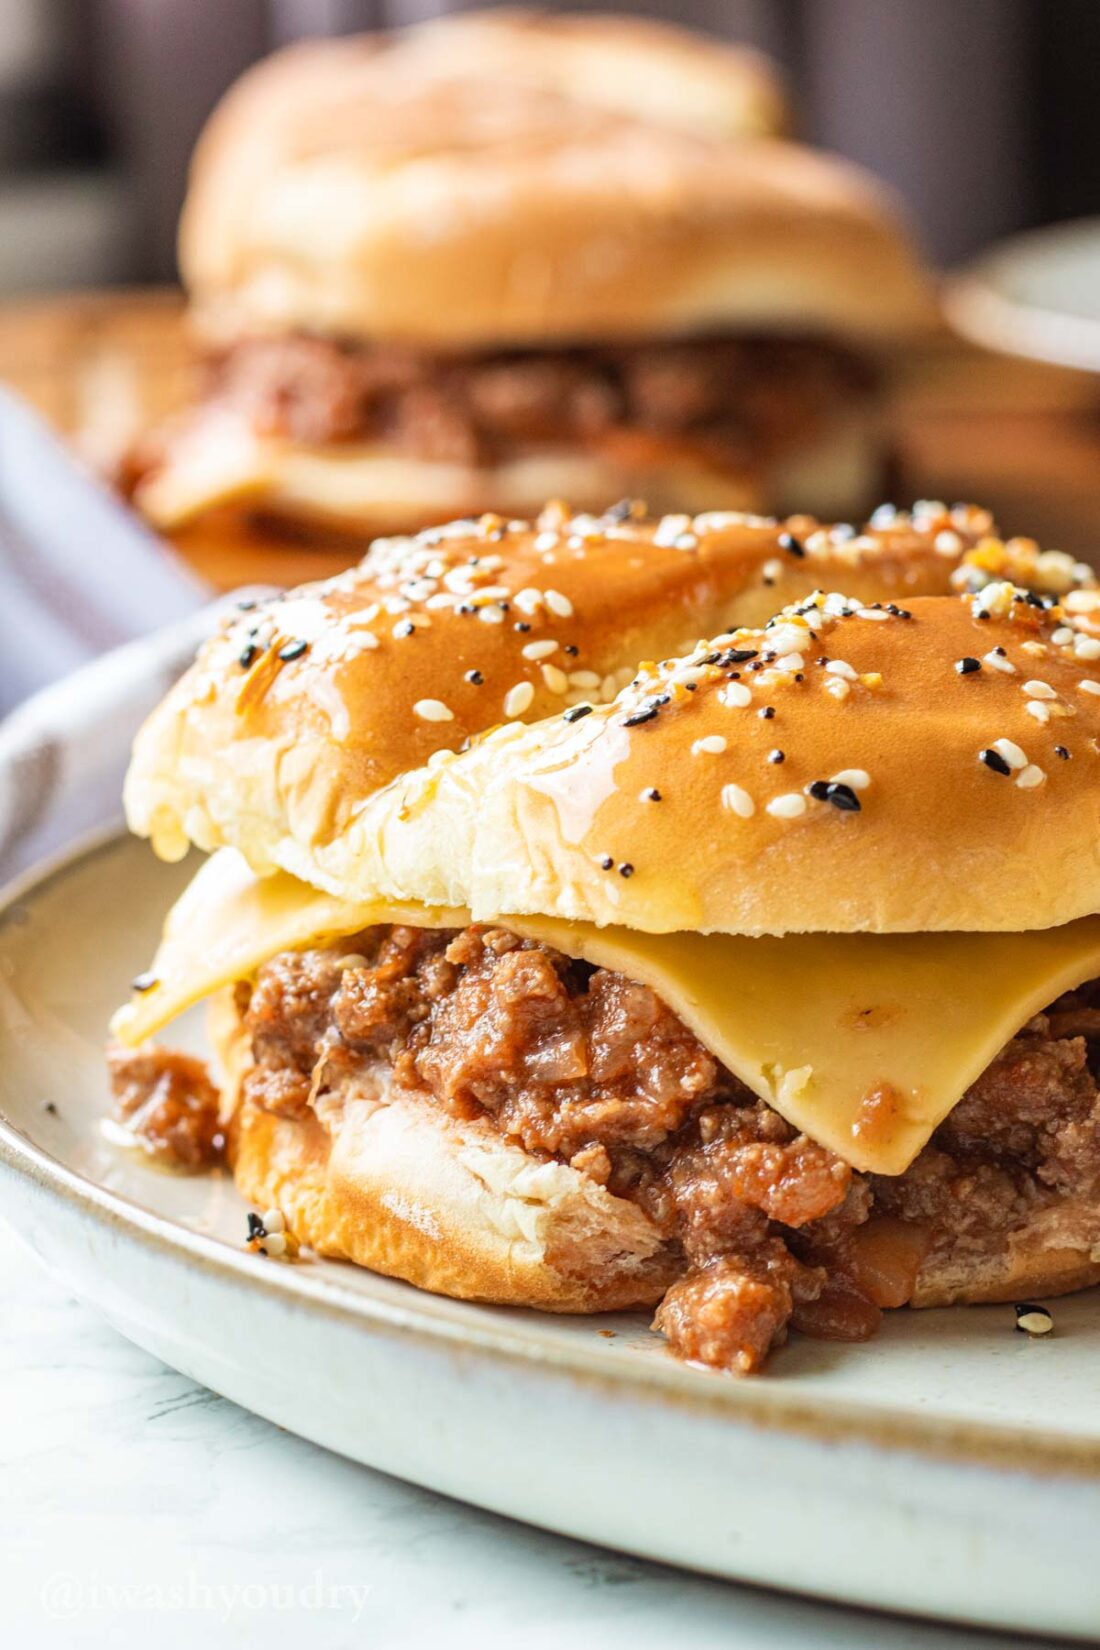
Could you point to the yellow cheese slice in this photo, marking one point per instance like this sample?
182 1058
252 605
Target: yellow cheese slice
864 1041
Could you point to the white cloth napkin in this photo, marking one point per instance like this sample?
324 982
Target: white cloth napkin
84 589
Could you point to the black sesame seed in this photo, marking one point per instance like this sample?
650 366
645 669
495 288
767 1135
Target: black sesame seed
843 797
521 625
144 982
1000 652
994 760
51 1108
732 656
576 712
622 511
293 650
777 756
798 676
967 665
246 605
475 677
819 790
652 794
405 628
1060 750
571 649
248 655
983 615
256 1227
607 863
647 713
690 687
767 713
626 869
794 547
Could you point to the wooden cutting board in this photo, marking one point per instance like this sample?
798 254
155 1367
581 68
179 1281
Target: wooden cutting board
1022 438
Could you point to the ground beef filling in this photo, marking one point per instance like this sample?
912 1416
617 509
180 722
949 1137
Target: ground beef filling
732 402
168 1103
588 1067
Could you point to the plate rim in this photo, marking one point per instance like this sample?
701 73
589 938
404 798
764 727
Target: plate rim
759 1402
984 314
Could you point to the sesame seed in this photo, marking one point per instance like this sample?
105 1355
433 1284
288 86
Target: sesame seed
967 665
1087 647
650 794
1089 687
1011 752
275 1245
556 680
1029 777
403 628
1032 1319
559 604
1062 636
626 869
788 806
528 600
273 1221
295 649
144 982
857 778
712 745
584 679
997 660
1061 751
738 801
475 677
575 713
433 710
871 613
607 863
947 544
793 547
1039 690
518 699
256 1227
993 759
838 687
767 713
539 650
248 655
735 694
777 756
1039 709
491 613
840 667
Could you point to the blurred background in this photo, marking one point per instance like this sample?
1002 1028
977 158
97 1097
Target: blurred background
981 112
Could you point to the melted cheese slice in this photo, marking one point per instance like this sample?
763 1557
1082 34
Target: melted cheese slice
863 1041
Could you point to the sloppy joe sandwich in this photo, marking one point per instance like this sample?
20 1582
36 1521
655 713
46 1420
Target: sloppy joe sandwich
484 261
762 993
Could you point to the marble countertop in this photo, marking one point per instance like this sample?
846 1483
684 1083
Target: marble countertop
138 1508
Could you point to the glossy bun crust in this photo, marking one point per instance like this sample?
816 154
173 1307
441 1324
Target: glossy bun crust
286 737
912 795
494 621
530 180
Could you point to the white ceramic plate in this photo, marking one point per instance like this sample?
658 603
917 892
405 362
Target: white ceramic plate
951 1468
1036 295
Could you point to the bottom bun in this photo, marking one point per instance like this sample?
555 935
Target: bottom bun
213 460
447 1206
402 1189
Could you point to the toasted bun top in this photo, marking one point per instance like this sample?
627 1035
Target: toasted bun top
301 708
912 794
495 180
